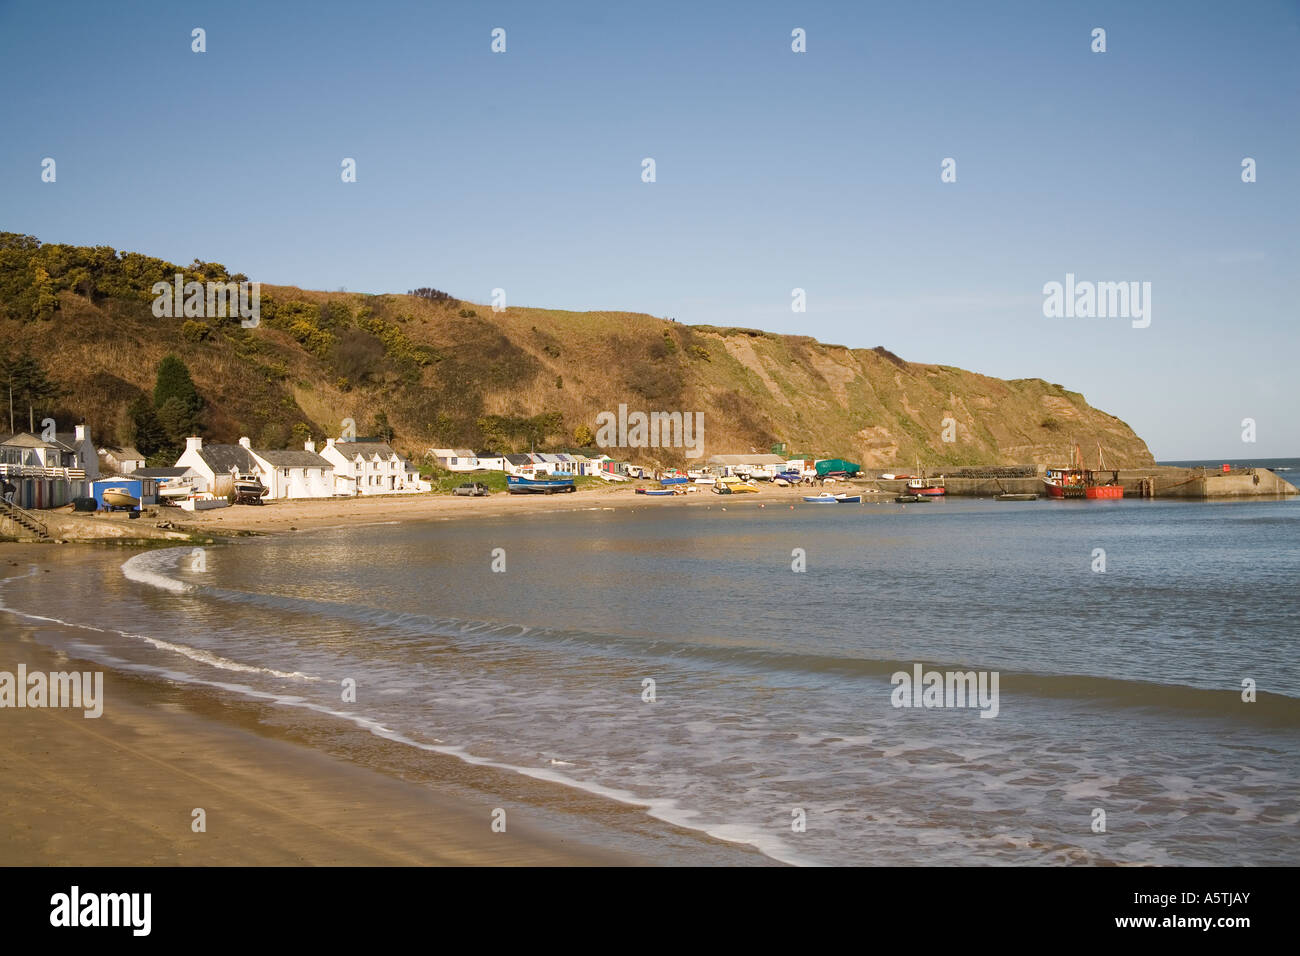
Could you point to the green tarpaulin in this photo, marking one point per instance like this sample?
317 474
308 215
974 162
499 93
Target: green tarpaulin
836 464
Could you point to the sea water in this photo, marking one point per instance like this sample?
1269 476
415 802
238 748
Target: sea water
732 668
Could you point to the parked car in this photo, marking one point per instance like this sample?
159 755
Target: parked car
472 489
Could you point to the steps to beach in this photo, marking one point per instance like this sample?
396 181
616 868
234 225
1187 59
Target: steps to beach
23 521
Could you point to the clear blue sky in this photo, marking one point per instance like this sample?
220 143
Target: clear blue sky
775 170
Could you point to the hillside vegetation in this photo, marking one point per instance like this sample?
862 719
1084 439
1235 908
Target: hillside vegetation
440 372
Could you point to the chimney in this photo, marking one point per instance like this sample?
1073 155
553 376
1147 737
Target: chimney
193 444
309 445
80 431
329 442
245 443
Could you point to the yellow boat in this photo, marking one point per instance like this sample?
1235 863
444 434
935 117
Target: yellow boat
736 485
120 498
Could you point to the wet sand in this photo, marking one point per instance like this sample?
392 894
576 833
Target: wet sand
121 789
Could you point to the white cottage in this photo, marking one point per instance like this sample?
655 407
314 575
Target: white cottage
370 468
120 461
296 474
217 466
456 459
64 450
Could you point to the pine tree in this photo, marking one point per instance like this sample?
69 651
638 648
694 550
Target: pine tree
174 382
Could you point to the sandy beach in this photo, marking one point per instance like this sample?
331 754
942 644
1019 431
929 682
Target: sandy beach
122 789
162 524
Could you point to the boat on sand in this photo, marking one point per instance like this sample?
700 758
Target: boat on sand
519 485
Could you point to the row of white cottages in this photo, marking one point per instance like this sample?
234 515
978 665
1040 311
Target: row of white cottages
342 467
753 464
463 460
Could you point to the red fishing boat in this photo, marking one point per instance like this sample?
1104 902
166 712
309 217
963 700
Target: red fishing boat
1080 482
929 487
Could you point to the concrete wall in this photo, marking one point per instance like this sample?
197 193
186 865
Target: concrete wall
1158 482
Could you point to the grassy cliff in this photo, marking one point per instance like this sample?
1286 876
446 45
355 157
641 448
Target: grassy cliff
444 373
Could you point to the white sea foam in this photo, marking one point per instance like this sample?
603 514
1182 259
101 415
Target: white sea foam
667 810
193 653
147 569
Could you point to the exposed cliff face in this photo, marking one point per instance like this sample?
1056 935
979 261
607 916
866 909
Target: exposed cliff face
453 374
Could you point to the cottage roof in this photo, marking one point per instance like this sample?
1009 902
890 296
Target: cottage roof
68 440
519 459
291 458
25 440
125 453
365 449
223 458
162 472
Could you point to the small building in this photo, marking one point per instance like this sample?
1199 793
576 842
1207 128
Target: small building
296 474
545 463
120 461
491 461
610 467
754 464
456 459
144 490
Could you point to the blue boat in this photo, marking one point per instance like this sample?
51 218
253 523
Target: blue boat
825 498
674 481
519 485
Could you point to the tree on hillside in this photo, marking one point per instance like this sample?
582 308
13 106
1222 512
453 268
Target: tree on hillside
144 430
433 295
27 388
176 406
174 382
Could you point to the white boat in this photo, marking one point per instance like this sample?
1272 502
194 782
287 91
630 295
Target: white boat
825 498
175 490
120 498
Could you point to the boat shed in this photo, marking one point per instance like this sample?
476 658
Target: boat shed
143 489
763 465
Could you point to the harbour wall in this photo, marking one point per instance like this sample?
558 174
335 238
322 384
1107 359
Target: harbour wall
1160 481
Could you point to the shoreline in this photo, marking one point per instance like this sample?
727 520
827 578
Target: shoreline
310 790
161 526
171 527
